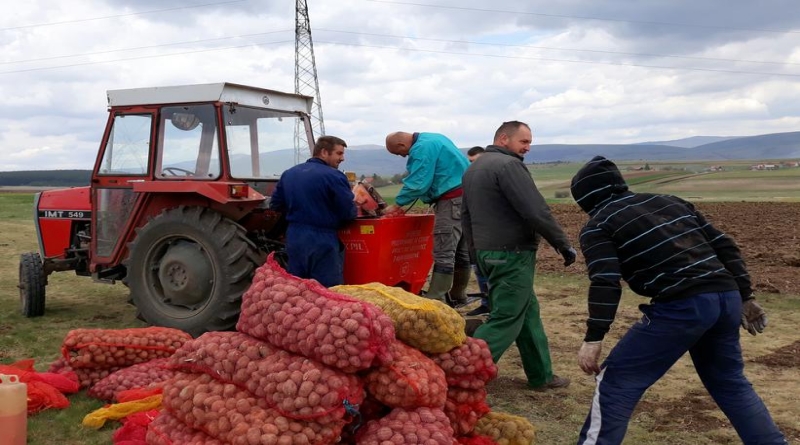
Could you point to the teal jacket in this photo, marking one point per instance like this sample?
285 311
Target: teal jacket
435 166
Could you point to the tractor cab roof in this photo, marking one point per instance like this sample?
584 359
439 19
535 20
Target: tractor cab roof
211 92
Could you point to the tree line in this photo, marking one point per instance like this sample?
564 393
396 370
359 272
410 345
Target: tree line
46 178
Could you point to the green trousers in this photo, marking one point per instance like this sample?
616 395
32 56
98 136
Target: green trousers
514 315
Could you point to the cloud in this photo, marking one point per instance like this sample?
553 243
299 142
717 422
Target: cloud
578 71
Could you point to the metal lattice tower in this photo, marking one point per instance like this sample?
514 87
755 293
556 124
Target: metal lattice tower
305 79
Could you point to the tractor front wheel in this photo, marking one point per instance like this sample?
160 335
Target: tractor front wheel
31 284
188 269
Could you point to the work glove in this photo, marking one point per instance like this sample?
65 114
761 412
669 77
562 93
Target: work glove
589 355
754 319
569 254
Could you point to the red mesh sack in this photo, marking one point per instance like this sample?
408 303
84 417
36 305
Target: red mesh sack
303 317
105 348
464 408
235 416
468 366
475 440
167 430
129 395
86 377
143 376
294 385
427 426
411 380
66 382
41 394
134 428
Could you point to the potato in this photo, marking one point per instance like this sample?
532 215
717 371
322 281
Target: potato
428 325
506 429
106 348
469 366
428 426
144 375
292 384
303 317
245 422
411 380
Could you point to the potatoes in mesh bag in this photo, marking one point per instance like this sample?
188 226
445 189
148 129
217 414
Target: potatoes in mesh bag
506 429
428 325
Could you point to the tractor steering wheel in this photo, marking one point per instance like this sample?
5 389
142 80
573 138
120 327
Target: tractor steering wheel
173 171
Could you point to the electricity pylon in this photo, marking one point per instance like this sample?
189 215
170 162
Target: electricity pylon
305 79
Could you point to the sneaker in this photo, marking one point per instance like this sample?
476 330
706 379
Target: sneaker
557 382
480 310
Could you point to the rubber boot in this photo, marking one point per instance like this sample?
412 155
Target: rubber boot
440 284
458 293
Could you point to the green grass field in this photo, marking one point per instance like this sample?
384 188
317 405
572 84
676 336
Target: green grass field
663 417
687 180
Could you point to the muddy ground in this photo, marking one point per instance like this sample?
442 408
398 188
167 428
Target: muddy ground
768 233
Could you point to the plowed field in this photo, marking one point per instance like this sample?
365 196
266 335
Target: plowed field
768 233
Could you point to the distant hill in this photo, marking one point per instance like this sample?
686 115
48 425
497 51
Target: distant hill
691 142
374 159
767 146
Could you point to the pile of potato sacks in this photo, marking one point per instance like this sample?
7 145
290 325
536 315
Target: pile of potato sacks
108 361
363 365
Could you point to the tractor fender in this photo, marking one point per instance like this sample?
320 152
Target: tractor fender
219 192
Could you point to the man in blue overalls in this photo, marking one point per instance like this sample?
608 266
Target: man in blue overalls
317 201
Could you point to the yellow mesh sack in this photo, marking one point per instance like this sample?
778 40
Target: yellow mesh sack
428 325
506 429
97 418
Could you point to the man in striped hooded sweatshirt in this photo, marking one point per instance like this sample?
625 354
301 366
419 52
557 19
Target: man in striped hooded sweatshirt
700 293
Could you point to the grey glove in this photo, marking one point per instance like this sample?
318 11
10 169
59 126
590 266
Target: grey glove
754 319
569 254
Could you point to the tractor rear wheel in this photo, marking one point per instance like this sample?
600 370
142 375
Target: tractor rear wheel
31 284
188 268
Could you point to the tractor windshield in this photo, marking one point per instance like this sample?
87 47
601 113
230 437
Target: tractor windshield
260 142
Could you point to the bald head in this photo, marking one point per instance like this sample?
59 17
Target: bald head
399 143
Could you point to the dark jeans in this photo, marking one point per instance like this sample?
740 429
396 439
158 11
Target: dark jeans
315 253
705 325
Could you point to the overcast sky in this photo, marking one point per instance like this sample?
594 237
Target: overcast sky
578 71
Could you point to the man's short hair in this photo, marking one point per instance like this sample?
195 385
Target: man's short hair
509 129
327 143
475 150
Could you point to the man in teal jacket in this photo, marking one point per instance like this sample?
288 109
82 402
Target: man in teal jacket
435 167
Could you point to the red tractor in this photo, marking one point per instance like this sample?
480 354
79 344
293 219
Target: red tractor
178 206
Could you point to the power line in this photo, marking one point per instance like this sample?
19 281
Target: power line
499 56
714 59
565 16
405 49
509 45
162 45
146 57
119 15
546 59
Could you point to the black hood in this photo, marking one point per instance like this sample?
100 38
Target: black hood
596 182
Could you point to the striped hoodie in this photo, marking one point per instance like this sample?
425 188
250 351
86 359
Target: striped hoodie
659 244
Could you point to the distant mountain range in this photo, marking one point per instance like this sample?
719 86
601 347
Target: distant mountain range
374 159
369 159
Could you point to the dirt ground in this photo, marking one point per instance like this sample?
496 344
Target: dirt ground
768 233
